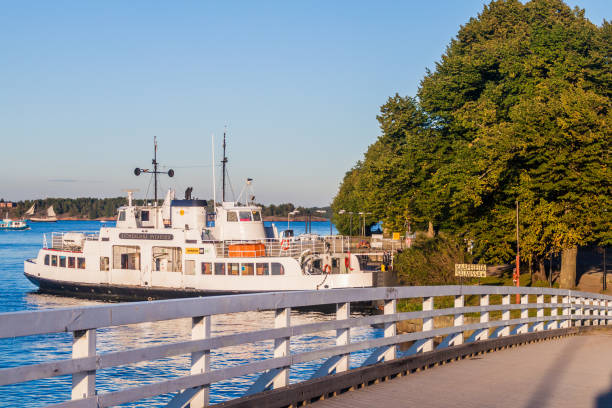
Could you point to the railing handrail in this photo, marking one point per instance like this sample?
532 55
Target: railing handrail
576 308
68 319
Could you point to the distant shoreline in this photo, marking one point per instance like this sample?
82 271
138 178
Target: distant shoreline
277 218
75 218
272 218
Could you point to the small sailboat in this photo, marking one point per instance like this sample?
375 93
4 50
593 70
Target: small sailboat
30 212
49 217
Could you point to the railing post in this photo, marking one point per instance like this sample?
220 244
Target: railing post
428 322
390 328
84 382
505 316
282 318
608 313
200 360
539 326
554 299
577 312
595 311
600 312
343 336
524 328
567 322
484 316
459 302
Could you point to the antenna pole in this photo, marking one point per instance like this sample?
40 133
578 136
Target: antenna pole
213 172
138 171
155 166
224 161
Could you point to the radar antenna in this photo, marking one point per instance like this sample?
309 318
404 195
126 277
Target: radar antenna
137 170
247 190
130 192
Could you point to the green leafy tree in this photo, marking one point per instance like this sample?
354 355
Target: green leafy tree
518 108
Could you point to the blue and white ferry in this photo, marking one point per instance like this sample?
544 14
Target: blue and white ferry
13 225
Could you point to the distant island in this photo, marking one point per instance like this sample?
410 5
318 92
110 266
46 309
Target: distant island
105 209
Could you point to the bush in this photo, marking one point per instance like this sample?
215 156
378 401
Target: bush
431 261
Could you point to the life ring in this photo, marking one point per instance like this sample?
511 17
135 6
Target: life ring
285 244
327 268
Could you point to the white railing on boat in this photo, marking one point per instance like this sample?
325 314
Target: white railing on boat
298 246
477 313
57 239
293 247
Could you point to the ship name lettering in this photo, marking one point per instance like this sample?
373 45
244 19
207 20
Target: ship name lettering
154 237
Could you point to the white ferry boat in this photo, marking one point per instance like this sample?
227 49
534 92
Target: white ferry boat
179 249
186 248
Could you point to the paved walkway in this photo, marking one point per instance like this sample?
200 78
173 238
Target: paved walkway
571 372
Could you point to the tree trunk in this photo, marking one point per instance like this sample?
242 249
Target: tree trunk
568 268
540 275
430 230
550 269
531 268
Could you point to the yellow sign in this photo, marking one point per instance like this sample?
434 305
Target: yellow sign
194 251
396 236
471 270
182 212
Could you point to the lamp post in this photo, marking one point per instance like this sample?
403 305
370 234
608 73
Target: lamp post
351 222
330 225
289 214
363 222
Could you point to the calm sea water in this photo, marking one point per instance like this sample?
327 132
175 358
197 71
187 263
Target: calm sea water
18 294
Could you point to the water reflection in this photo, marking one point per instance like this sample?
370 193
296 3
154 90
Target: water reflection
35 349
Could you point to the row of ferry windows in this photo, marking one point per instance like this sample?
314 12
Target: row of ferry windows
234 216
65 261
168 259
235 268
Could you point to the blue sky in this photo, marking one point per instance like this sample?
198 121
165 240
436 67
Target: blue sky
84 87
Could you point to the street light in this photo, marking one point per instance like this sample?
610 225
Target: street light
291 213
330 224
364 217
351 222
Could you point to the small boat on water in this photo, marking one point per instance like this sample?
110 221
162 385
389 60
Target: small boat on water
50 215
13 225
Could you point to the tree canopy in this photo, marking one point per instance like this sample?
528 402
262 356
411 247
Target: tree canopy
518 109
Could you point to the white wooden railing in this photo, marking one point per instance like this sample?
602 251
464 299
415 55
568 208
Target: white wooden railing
490 313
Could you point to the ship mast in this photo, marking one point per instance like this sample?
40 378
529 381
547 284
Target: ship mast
137 170
223 162
155 166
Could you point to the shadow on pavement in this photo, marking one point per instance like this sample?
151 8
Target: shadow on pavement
604 400
551 378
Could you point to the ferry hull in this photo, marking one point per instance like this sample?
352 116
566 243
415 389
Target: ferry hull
120 292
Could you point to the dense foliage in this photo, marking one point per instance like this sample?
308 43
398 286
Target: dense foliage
518 109
431 261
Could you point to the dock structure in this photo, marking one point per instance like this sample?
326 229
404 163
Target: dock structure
483 319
